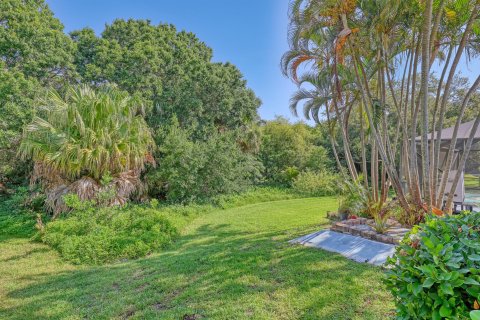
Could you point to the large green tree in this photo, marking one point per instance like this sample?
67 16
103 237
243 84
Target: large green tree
172 71
17 95
32 41
34 53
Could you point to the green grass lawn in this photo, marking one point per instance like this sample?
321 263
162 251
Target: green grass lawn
229 264
472 181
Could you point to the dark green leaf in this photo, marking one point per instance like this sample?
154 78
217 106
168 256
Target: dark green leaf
445 310
446 288
428 283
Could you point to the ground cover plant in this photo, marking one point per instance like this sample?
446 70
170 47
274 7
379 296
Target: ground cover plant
89 234
233 263
436 270
97 235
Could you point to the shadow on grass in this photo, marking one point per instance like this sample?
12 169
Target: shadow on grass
216 272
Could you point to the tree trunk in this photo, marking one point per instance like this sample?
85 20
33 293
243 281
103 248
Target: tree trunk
451 150
446 91
461 165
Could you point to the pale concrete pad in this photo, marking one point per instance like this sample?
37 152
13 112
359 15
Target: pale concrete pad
356 248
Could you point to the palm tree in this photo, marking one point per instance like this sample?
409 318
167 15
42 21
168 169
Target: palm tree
77 139
373 40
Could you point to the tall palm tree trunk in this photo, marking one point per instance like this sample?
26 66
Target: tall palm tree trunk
427 27
461 165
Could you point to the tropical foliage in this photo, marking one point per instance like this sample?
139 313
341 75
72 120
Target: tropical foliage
197 171
76 140
373 60
287 149
435 272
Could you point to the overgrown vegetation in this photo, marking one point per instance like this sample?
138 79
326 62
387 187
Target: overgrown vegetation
435 273
87 136
316 184
97 235
191 171
286 150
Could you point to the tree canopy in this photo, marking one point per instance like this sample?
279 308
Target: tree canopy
32 41
172 71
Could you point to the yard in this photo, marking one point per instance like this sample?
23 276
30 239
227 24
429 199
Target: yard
228 264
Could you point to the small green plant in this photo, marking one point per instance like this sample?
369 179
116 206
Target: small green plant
107 191
352 199
316 184
380 215
435 272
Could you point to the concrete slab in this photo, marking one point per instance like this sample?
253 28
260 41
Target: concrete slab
356 248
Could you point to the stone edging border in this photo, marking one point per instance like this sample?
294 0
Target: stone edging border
349 227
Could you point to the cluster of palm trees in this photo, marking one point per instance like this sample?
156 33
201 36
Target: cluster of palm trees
370 62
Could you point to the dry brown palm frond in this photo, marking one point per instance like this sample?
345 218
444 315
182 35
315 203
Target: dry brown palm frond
54 200
150 159
48 176
125 185
85 188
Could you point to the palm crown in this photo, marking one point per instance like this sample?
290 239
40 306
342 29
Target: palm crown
88 133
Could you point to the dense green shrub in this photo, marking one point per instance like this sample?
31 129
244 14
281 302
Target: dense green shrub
435 272
287 149
316 184
190 171
18 213
98 235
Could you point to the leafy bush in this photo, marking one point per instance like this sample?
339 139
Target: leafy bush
316 184
287 149
435 272
98 235
191 171
18 213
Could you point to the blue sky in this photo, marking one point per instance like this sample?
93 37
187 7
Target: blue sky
252 34
248 33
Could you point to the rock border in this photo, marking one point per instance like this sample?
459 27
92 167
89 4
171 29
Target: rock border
394 234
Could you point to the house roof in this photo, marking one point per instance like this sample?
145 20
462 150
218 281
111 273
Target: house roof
463 132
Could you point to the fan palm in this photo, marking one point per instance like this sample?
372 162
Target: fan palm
77 139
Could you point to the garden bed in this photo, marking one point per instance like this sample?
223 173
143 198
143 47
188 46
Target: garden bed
363 227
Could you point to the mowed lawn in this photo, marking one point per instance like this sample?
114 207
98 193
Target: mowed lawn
229 264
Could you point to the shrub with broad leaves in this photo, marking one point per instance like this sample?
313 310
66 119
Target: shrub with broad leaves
435 273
